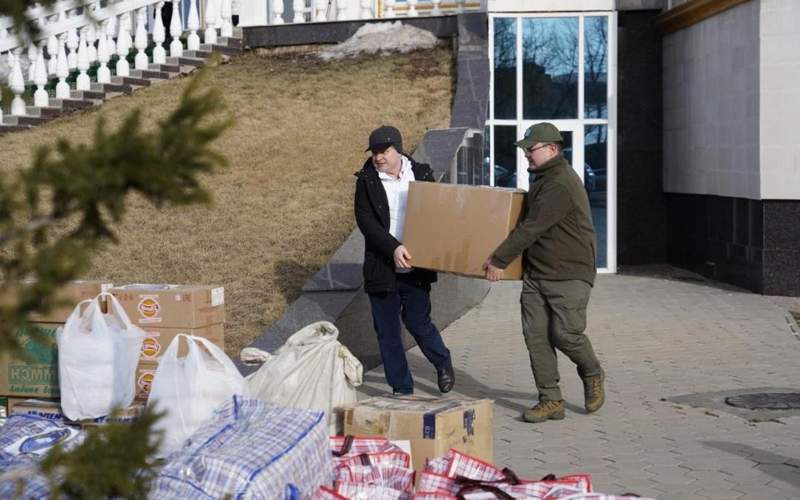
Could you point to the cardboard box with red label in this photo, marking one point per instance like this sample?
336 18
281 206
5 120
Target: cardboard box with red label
172 306
158 339
156 343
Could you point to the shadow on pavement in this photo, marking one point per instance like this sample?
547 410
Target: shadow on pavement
477 389
786 469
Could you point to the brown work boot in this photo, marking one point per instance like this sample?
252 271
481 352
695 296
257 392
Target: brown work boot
593 392
545 410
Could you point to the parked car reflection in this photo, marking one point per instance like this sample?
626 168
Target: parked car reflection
594 179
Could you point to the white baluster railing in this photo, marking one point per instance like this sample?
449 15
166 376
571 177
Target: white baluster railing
62 70
226 11
212 12
16 83
277 12
320 10
123 46
141 61
159 54
68 39
83 82
40 98
103 56
74 35
298 6
52 53
412 8
193 23
72 45
175 30
33 51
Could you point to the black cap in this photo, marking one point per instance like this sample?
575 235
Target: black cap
383 137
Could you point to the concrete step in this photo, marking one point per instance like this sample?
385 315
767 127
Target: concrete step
23 120
197 54
67 105
48 113
129 80
87 95
7 129
149 74
233 42
221 49
112 88
186 61
172 69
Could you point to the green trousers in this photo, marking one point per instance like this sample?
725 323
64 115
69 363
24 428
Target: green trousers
554 317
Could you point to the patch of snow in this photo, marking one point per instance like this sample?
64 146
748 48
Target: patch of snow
381 37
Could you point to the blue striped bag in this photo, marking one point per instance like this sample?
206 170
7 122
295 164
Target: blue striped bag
251 449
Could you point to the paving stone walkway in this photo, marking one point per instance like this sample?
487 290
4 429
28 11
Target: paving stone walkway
672 349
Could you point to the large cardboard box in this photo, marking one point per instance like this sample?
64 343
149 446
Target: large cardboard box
172 306
454 228
432 425
51 410
70 294
38 376
158 339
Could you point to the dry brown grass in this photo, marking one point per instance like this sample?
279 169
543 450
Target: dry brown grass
285 204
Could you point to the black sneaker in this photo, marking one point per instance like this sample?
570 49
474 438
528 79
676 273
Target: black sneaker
446 378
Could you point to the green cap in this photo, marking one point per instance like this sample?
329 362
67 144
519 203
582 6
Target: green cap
541 132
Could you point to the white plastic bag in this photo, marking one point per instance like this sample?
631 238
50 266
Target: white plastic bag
97 358
312 370
190 389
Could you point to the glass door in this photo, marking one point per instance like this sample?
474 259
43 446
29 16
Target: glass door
560 68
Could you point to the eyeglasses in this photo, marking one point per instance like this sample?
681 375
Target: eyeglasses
531 150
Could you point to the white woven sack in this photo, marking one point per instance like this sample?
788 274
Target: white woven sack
312 370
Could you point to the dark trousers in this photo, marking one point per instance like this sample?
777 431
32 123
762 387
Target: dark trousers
412 303
554 317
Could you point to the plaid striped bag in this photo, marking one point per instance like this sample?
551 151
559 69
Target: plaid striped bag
457 475
371 467
251 449
24 439
392 476
370 491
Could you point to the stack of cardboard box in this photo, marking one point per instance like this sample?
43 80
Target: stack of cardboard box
30 386
164 311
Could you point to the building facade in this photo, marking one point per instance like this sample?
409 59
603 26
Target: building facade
677 115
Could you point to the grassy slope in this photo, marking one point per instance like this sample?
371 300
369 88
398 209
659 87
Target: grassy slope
285 204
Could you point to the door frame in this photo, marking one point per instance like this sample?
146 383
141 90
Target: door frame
575 125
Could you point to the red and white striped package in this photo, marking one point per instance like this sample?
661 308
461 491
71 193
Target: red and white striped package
371 467
392 476
459 474
370 491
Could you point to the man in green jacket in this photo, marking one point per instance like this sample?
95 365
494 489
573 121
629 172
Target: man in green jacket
558 239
